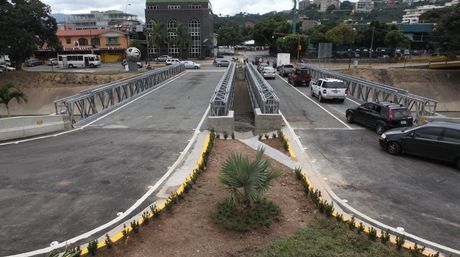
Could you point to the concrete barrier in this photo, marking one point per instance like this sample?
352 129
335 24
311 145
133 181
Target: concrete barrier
222 124
267 122
27 126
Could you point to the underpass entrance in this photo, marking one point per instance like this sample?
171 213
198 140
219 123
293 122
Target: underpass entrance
244 114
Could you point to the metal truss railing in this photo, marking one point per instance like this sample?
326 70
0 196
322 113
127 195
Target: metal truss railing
261 93
372 91
97 100
222 100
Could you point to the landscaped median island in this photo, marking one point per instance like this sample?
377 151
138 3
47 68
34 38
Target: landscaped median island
275 213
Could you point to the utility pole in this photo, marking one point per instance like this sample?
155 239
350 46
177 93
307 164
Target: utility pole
372 43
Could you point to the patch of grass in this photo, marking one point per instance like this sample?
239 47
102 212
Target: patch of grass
325 237
262 214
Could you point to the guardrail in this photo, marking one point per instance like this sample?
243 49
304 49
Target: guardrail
261 93
372 91
95 101
222 99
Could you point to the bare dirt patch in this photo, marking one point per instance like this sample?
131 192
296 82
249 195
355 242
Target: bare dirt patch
187 229
441 85
275 143
43 88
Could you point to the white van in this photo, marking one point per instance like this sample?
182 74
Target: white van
328 88
79 61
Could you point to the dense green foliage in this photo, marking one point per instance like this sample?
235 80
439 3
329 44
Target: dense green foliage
341 34
26 25
324 238
447 32
232 218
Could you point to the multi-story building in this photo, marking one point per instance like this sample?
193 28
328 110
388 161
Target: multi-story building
304 4
324 4
364 6
102 20
413 15
110 44
195 15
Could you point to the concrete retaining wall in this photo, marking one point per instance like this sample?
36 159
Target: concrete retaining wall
267 122
222 124
27 126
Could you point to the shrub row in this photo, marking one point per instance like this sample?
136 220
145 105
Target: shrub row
328 209
146 216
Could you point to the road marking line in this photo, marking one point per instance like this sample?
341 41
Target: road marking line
328 128
82 127
313 101
353 101
130 209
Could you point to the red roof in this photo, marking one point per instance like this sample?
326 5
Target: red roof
85 32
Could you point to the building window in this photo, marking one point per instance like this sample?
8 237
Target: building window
112 40
68 40
83 41
195 6
173 6
152 7
194 31
95 42
172 29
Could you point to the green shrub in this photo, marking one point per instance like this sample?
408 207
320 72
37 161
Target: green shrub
351 223
400 240
261 214
92 247
108 241
145 218
416 251
385 237
135 226
260 137
124 232
339 217
372 234
233 135
225 135
274 135
267 136
360 228
298 173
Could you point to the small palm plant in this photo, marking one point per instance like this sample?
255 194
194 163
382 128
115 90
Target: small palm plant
247 180
9 92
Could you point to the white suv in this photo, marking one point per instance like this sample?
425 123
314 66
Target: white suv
329 88
172 61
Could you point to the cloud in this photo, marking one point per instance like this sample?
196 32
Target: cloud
223 7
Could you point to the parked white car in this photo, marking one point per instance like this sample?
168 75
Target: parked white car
191 65
328 88
172 61
269 73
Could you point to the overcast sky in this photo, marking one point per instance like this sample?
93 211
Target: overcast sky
220 7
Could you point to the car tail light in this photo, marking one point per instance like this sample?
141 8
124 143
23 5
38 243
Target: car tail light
390 114
324 91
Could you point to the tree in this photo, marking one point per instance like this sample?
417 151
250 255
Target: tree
341 34
346 5
246 180
156 35
447 31
290 44
183 38
9 92
376 29
396 38
228 36
26 25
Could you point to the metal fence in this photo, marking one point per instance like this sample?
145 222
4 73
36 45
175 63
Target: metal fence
97 100
222 100
372 91
261 93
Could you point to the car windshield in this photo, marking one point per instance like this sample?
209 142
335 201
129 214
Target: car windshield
400 113
334 84
288 66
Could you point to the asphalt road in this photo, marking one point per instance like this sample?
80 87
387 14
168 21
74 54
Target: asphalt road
57 188
420 195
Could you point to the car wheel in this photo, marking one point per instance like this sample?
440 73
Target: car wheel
341 100
91 65
196 68
70 66
311 92
380 129
320 98
308 83
457 163
394 148
350 118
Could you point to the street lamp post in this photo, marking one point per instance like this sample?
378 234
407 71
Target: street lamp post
372 43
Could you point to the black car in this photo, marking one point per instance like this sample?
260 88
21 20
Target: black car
33 62
435 140
380 116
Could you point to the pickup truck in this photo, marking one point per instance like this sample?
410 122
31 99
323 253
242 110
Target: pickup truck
299 76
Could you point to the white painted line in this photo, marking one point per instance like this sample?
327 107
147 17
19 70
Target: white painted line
368 219
313 101
125 214
353 101
328 128
82 127
293 133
